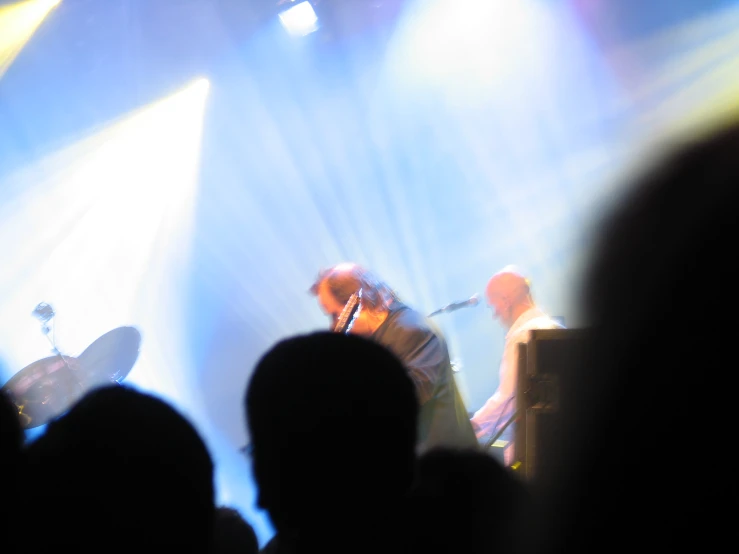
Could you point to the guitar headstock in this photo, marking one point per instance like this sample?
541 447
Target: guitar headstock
349 313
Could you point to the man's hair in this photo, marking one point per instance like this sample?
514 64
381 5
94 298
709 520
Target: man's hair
163 466
343 280
232 533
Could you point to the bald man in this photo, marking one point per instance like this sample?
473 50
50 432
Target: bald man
420 346
509 296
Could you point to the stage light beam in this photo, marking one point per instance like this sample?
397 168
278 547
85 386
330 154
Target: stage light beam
18 22
102 231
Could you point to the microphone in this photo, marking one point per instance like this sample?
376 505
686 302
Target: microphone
473 300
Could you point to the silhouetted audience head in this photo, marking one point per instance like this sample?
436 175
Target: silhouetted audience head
122 469
11 432
12 466
332 419
232 534
653 415
479 501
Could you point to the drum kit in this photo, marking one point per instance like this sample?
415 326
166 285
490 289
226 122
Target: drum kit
47 388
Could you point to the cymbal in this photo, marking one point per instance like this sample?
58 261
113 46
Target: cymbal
111 357
45 389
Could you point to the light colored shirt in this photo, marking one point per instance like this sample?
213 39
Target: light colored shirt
500 407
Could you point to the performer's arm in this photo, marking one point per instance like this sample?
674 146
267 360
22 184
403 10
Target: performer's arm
491 413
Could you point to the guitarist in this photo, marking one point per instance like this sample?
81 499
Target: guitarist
377 313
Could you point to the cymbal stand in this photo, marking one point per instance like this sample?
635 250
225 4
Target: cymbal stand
45 313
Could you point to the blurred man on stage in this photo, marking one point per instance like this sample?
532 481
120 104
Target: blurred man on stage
509 296
409 335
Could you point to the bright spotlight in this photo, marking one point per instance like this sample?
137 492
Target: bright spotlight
201 84
300 19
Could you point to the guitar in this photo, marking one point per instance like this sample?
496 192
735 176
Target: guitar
349 313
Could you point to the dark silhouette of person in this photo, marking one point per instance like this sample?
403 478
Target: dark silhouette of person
480 502
333 422
11 433
232 534
121 469
648 417
13 468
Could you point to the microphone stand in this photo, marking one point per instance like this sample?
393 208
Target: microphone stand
437 312
454 306
497 435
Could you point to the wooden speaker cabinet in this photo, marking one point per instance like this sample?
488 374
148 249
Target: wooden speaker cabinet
545 365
